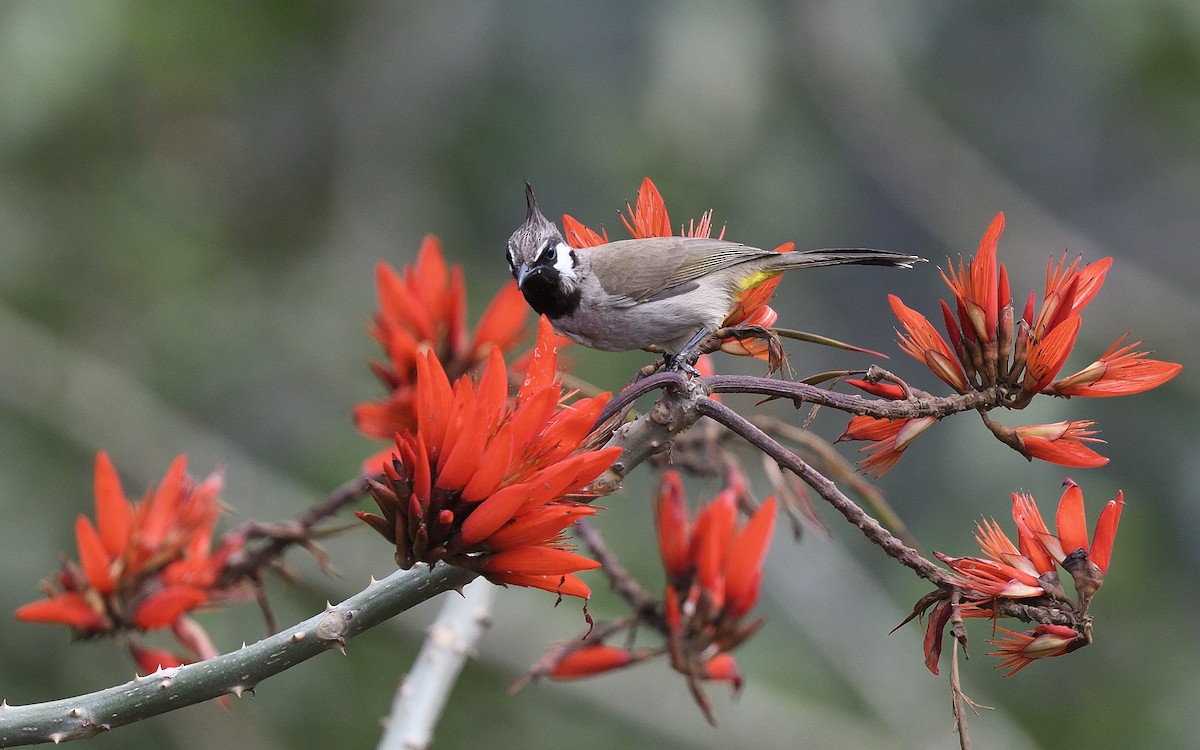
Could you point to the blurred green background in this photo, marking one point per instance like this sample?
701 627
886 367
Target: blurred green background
193 196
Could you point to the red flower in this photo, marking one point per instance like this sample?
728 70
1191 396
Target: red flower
925 344
649 218
1020 649
977 288
713 575
1039 550
1062 443
891 437
1119 372
142 566
1021 357
487 483
592 660
423 310
1027 569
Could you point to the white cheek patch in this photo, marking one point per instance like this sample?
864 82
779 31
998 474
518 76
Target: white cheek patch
564 261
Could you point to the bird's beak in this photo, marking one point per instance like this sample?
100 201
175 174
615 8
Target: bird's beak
523 272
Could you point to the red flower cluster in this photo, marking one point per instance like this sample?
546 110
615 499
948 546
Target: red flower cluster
649 219
488 483
143 566
1021 357
425 309
713 573
1027 570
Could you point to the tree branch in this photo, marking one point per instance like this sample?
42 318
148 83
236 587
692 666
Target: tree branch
236 672
922 406
827 489
423 693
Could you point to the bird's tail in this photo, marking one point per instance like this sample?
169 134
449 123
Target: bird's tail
836 256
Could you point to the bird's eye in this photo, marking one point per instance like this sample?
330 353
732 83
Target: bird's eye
547 253
512 264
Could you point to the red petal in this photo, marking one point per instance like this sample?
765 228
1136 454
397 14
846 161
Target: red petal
1047 356
491 514
494 465
113 512
1106 532
538 526
563 585
538 560
673 526
94 559
1070 520
591 660
163 507
164 606
503 321
746 558
65 609
542 370
579 236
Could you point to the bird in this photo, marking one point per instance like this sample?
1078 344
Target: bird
662 293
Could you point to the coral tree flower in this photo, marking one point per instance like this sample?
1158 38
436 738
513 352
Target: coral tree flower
990 347
1029 570
1020 649
424 308
490 483
713 575
649 218
1062 443
890 437
143 566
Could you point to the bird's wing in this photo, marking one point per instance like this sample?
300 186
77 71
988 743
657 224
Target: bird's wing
657 267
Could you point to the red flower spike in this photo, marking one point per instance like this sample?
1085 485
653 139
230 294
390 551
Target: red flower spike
713 576
422 310
1010 574
141 567
591 660
487 483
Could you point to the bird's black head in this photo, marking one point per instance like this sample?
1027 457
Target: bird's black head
543 264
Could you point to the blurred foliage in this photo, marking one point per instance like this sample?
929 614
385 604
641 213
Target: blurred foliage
193 195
